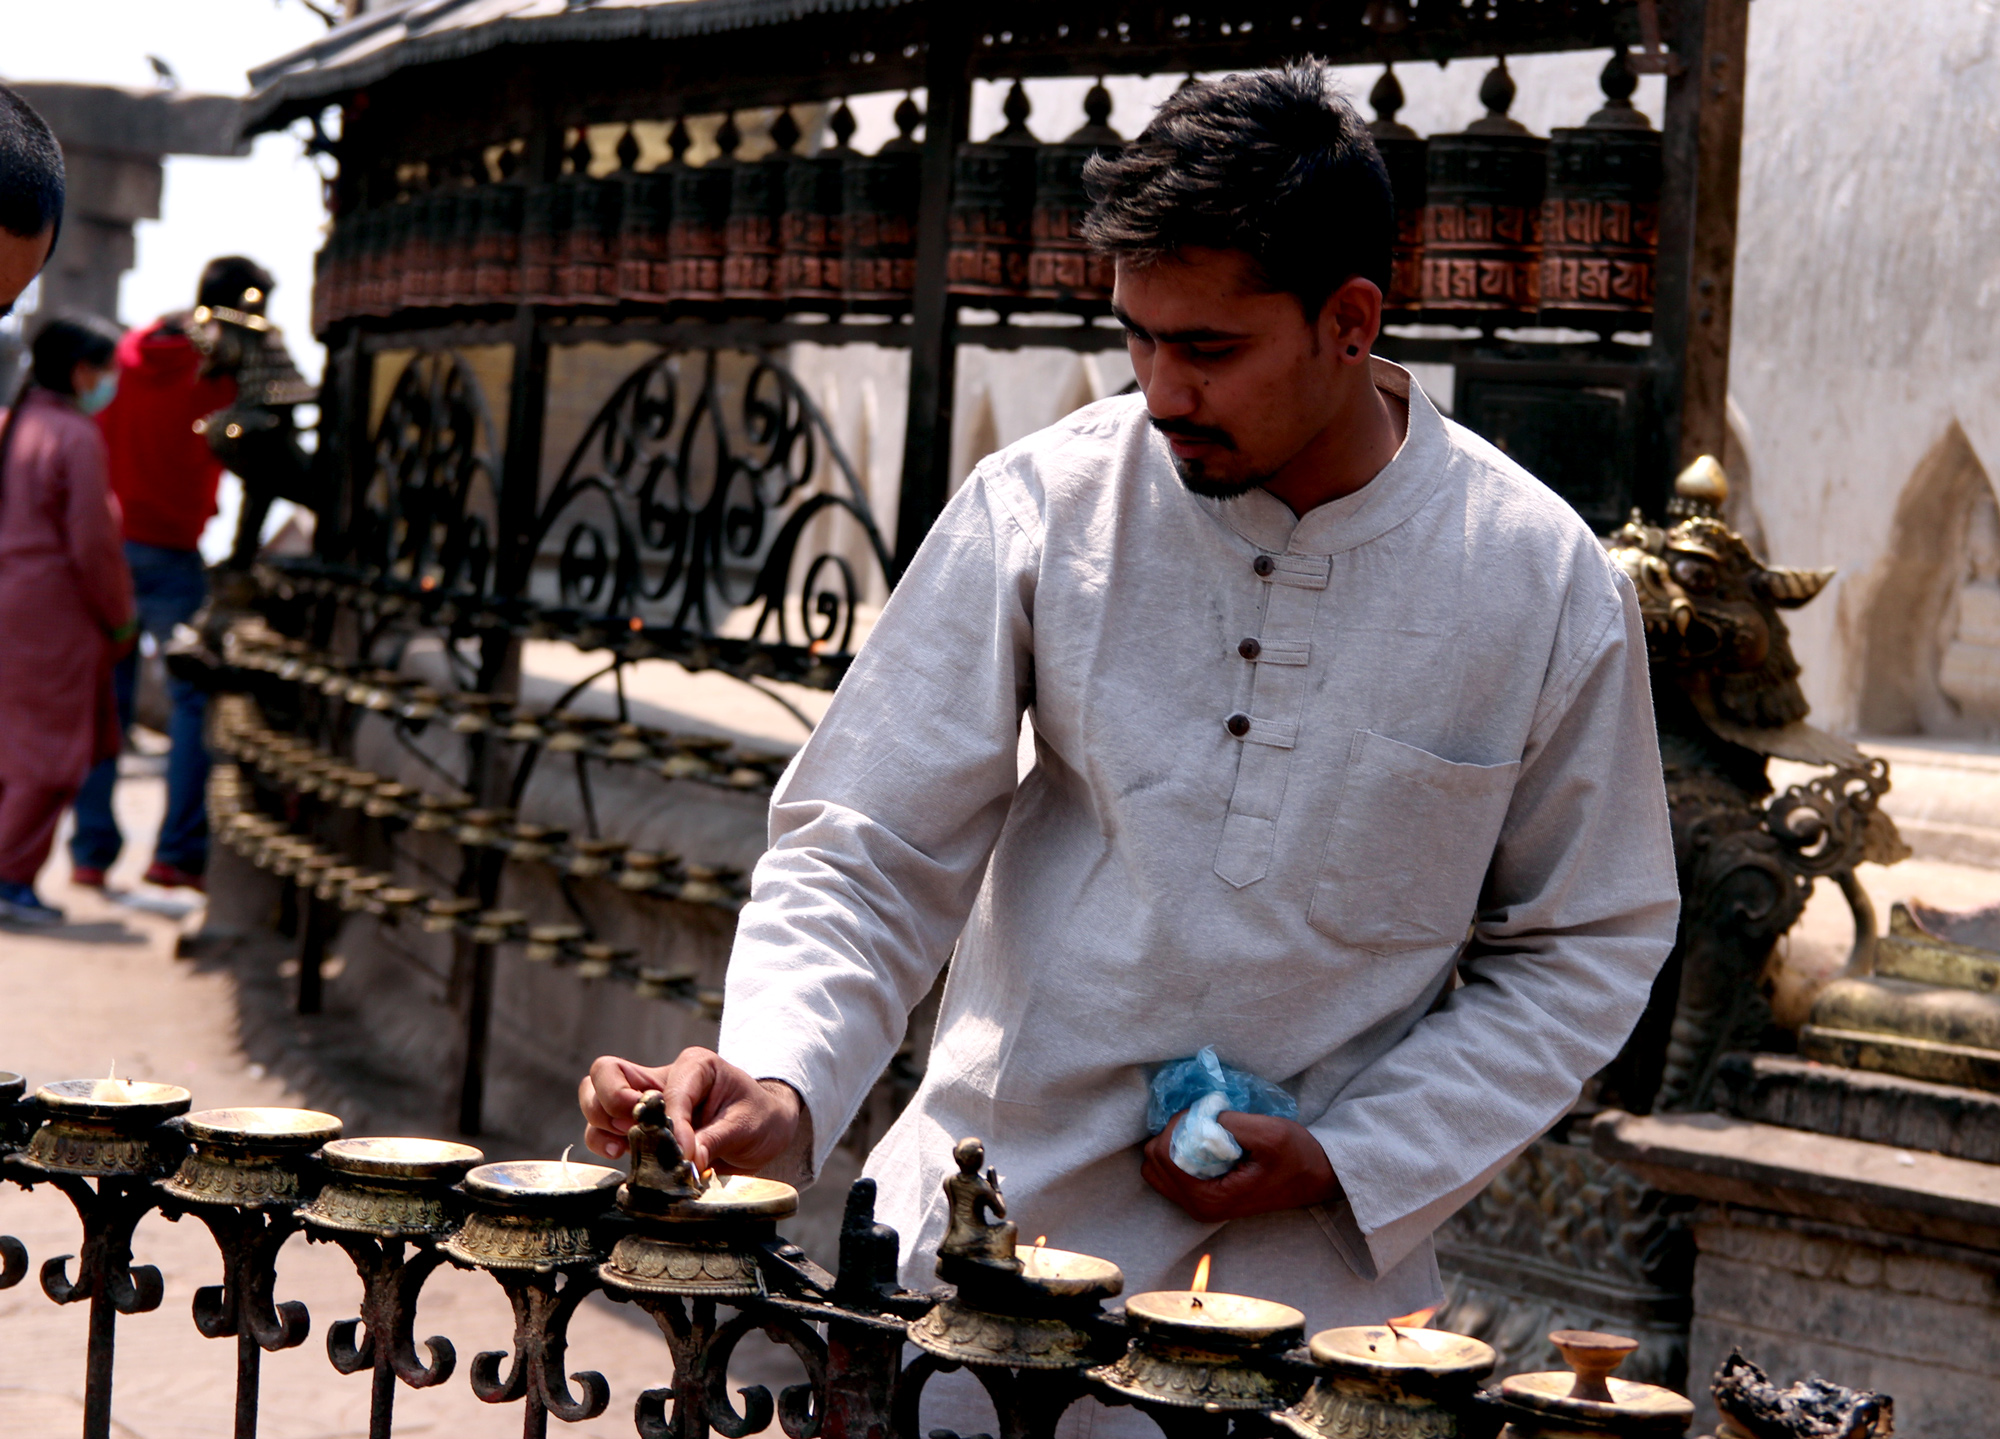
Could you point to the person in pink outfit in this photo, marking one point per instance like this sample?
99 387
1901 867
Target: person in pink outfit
66 610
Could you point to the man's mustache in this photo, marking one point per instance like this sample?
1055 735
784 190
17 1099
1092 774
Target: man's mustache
1188 430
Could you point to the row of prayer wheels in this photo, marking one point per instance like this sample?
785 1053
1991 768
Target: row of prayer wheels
1495 225
829 232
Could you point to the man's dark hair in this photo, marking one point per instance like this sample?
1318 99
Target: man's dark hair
1278 165
227 282
66 342
31 171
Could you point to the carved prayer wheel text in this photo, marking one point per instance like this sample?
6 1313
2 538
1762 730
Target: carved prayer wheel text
496 251
545 221
879 204
590 250
1600 216
752 235
992 201
1061 263
696 238
1482 238
642 236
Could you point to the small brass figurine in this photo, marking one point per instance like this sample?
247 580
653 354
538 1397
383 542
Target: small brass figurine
971 1236
661 1175
1032 1309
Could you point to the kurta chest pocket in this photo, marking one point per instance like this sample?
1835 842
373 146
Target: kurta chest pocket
1409 848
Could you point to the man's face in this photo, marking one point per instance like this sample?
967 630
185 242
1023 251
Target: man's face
21 259
1235 377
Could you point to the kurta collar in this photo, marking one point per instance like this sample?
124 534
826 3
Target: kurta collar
1396 493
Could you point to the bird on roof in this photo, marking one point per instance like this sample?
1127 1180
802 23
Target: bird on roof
163 73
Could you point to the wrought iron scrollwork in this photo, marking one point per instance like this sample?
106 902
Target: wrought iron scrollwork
429 517
701 1349
542 1312
691 496
383 1339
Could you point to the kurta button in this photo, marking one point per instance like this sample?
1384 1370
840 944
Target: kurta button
1249 649
1263 565
1237 724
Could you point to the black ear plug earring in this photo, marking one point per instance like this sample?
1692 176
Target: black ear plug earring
1352 351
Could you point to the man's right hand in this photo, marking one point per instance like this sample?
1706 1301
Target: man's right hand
723 1119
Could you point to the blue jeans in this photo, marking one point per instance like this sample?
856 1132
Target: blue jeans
169 586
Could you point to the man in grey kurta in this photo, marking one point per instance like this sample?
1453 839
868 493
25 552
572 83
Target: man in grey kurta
1367 797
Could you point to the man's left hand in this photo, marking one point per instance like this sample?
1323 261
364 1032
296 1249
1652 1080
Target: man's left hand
1283 1167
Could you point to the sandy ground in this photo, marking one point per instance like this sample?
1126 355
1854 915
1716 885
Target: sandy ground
107 989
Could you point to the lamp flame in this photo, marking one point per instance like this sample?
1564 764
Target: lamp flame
565 1162
1040 1240
1200 1285
1415 1319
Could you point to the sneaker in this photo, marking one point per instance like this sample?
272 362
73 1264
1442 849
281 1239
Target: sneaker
87 876
168 876
19 903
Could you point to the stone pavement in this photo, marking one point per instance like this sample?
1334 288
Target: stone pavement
106 989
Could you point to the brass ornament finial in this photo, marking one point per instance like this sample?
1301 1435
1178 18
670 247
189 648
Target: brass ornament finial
1702 488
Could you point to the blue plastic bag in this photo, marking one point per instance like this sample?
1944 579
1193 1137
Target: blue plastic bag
1204 1086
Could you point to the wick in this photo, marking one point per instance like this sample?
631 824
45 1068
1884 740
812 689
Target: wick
1195 1301
1392 1329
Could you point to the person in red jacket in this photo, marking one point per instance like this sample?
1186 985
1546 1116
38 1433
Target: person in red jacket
165 477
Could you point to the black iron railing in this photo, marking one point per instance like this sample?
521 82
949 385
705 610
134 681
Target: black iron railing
704 1259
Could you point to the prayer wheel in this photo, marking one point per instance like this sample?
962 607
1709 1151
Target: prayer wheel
458 280
1483 215
752 239
321 289
440 221
1061 265
590 246
992 204
545 220
1601 214
416 275
333 275
878 219
696 239
1405 155
809 259
385 293
496 249
642 235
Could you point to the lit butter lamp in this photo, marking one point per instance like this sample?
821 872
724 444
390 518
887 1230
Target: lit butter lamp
1197 1350
1587 1400
1016 1306
694 1234
248 1158
535 1214
1395 1378
107 1127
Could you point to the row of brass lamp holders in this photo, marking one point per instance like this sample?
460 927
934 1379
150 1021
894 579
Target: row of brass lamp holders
1495 225
676 1244
271 844
703 759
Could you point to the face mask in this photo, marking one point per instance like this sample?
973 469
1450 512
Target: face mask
98 395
